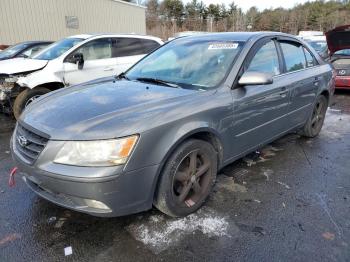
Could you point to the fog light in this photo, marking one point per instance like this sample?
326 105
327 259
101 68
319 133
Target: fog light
96 204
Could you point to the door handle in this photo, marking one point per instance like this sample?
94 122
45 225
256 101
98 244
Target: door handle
108 69
316 81
283 93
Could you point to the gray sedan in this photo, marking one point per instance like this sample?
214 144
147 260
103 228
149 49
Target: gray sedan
159 133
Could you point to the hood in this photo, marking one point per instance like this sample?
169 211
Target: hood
21 65
338 39
102 110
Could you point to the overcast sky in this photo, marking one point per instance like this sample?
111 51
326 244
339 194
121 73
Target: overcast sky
260 4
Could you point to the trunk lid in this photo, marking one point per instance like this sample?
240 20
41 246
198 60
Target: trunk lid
338 39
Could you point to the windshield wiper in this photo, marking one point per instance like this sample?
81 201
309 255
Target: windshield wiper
157 81
122 76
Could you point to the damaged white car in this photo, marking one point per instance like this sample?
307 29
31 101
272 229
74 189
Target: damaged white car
70 61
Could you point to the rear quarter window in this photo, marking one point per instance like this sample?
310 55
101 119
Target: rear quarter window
310 59
125 46
149 45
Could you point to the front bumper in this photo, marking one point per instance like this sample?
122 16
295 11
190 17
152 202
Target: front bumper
122 193
342 82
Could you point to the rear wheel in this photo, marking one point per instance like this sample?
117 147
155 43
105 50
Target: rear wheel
315 122
25 98
187 178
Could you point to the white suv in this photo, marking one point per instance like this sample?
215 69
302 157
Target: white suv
70 61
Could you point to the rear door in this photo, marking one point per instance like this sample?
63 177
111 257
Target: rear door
302 76
98 62
129 50
260 111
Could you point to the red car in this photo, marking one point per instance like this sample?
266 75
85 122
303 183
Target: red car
338 41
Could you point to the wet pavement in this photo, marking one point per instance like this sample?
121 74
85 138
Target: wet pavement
290 201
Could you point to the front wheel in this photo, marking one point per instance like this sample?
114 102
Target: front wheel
187 178
26 97
314 124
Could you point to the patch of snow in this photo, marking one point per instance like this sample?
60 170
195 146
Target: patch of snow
158 233
336 125
283 184
267 173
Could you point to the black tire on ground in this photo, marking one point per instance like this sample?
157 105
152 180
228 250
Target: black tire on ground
26 97
187 178
314 124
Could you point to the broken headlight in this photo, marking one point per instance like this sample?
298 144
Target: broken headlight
8 83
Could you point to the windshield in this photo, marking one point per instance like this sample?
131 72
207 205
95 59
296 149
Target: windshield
12 50
345 52
319 46
189 63
58 48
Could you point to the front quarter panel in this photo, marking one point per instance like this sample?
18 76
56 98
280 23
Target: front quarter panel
53 72
209 113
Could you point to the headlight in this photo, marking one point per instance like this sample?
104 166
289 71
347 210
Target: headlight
8 84
96 153
11 79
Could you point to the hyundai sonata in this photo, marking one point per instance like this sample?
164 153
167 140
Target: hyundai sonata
158 133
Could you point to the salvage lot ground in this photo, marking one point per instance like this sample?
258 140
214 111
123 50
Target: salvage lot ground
290 201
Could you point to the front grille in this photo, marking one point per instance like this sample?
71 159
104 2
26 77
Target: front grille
29 144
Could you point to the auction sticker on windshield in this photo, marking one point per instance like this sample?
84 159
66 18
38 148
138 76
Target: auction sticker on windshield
225 45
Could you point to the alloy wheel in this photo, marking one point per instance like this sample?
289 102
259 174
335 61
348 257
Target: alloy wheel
192 178
318 115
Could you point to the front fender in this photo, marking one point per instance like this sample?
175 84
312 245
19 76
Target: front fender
155 146
148 153
38 78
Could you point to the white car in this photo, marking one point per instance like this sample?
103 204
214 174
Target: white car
70 61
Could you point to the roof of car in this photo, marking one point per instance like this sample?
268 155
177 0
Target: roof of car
83 36
237 36
86 36
35 42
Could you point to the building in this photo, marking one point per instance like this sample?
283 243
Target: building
22 20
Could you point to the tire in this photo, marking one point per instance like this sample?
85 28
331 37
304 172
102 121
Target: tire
179 177
25 98
314 124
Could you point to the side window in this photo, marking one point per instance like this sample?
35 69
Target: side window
265 60
124 46
293 56
149 45
310 60
96 49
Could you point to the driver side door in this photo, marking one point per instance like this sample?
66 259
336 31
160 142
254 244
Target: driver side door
98 61
260 111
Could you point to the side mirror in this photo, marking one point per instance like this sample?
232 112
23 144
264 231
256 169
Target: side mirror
255 78
78 58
